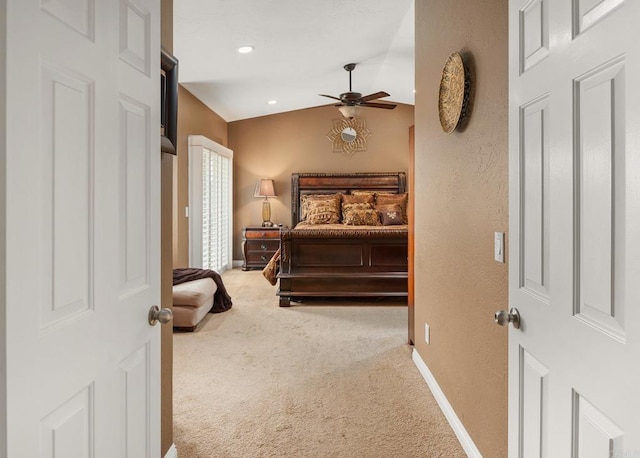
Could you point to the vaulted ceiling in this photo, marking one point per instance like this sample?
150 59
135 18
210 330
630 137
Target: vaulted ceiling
300 46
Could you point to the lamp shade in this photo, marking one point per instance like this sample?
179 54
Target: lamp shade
264 188
350 111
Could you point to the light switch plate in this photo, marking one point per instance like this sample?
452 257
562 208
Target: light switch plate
498 246
427 337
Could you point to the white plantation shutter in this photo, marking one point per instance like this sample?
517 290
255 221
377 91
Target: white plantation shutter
210 204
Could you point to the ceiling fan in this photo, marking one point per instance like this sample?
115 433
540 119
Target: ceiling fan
350 102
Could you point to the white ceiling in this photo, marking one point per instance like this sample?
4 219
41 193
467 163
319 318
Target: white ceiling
301 47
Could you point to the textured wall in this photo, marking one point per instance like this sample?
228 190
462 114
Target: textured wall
166 39
194 118
461 199
166 24
277 145
166 274
3 222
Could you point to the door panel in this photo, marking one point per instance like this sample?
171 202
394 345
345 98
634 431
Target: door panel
67 182
534 30
134 195
534 401
79 14
82 224
587 13
134 35
534 207
600 153
574 155
134 395
595 434
68 430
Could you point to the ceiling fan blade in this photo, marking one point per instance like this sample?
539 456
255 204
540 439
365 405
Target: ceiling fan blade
388 106
330 96
377 95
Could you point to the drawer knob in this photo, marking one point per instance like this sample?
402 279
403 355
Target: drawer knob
263 246
263 257
264 234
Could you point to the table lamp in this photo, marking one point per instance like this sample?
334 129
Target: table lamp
264 188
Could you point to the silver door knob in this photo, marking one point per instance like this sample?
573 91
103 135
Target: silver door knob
159 315
503 318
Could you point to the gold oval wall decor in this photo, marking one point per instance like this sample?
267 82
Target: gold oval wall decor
453 93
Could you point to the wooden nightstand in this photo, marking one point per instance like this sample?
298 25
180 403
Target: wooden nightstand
259 245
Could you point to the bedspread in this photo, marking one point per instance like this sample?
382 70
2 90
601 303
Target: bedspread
305 230
272 268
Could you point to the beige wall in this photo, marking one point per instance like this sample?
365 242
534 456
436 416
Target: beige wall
277 145
166 269
3 222
194 118
461 200
166 25
166 39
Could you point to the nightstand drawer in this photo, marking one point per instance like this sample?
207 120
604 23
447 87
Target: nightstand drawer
262 245
258 258
262 234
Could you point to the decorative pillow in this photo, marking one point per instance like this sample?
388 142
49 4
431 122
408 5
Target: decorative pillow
363 193
355 206
400 199
322 212
307 199
361 217
389 207
358 199
391 217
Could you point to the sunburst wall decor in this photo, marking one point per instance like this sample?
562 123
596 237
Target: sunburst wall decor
349 135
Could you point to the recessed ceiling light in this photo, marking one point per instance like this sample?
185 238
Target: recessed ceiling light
245 49
272 102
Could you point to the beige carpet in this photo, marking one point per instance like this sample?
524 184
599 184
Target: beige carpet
306 381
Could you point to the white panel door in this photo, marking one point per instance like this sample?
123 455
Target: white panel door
82 227
574 141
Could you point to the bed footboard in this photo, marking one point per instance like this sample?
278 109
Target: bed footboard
313 265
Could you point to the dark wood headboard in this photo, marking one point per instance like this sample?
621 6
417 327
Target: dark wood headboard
330 183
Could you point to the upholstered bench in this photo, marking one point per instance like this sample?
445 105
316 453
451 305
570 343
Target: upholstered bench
192 300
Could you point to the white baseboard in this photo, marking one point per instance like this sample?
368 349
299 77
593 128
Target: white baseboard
172 452
455 423
237 263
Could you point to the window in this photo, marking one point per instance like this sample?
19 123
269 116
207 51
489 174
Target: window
210 204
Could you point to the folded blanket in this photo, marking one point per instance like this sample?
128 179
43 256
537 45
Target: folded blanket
270 271
221 299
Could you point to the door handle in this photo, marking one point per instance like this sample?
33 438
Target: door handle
503 318
159 315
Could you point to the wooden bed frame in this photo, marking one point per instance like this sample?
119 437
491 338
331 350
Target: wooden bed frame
333 263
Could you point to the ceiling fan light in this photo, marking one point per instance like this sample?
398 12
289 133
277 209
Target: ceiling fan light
245 49
350 111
